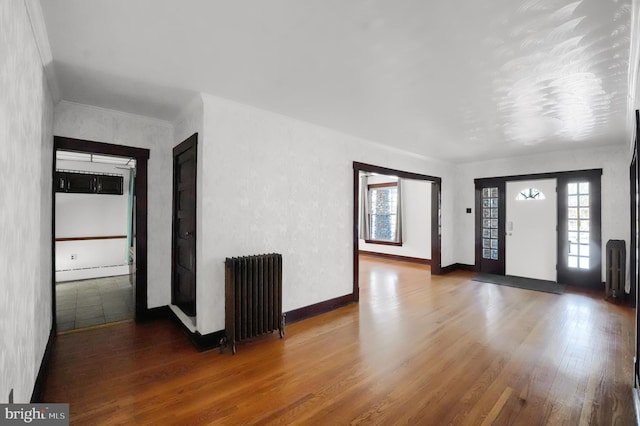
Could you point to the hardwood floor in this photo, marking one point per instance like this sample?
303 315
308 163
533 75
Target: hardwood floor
415 350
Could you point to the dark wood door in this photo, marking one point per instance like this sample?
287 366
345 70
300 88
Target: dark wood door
633 254
490 226
579 230
184 226
633 250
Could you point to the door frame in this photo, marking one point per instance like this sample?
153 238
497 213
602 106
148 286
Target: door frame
502 180
189 143
593 275
633 246
634 188
492 267
436 214
141 156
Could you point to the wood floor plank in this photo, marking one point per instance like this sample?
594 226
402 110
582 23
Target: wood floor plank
416 350
497 408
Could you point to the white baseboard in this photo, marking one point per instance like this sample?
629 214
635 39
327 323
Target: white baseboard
189 322
89 273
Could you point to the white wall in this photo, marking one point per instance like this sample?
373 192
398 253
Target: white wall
416 220
26 111
270 183
91 215
189 121
615 189
102 125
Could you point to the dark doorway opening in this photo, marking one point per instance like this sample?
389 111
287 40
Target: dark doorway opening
141 157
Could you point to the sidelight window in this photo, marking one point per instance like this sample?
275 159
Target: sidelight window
490 223
579 223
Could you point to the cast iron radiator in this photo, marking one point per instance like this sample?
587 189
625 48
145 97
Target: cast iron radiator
253 298
616 270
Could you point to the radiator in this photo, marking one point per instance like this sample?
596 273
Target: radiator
253 298
616 271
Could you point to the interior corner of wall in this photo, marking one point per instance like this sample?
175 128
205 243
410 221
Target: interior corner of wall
189 120
194 104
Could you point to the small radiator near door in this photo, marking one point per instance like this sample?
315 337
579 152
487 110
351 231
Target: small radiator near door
253 298
616 271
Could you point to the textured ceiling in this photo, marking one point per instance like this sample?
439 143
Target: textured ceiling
457 81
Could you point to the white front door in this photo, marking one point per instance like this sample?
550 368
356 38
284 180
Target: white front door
531 219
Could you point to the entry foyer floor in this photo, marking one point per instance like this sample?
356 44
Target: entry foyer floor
87 303
416 350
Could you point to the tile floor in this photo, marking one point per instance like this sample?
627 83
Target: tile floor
87 303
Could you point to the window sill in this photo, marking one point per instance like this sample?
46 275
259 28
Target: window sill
385 243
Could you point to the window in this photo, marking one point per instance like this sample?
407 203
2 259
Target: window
490 223
530 194
383 205
578 224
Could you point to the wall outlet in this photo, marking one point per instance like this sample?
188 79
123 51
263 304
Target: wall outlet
74 257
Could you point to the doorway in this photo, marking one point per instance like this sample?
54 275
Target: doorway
94 239
577 235
434 220
531 236
139 222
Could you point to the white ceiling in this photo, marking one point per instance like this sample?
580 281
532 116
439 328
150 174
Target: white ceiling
455 80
